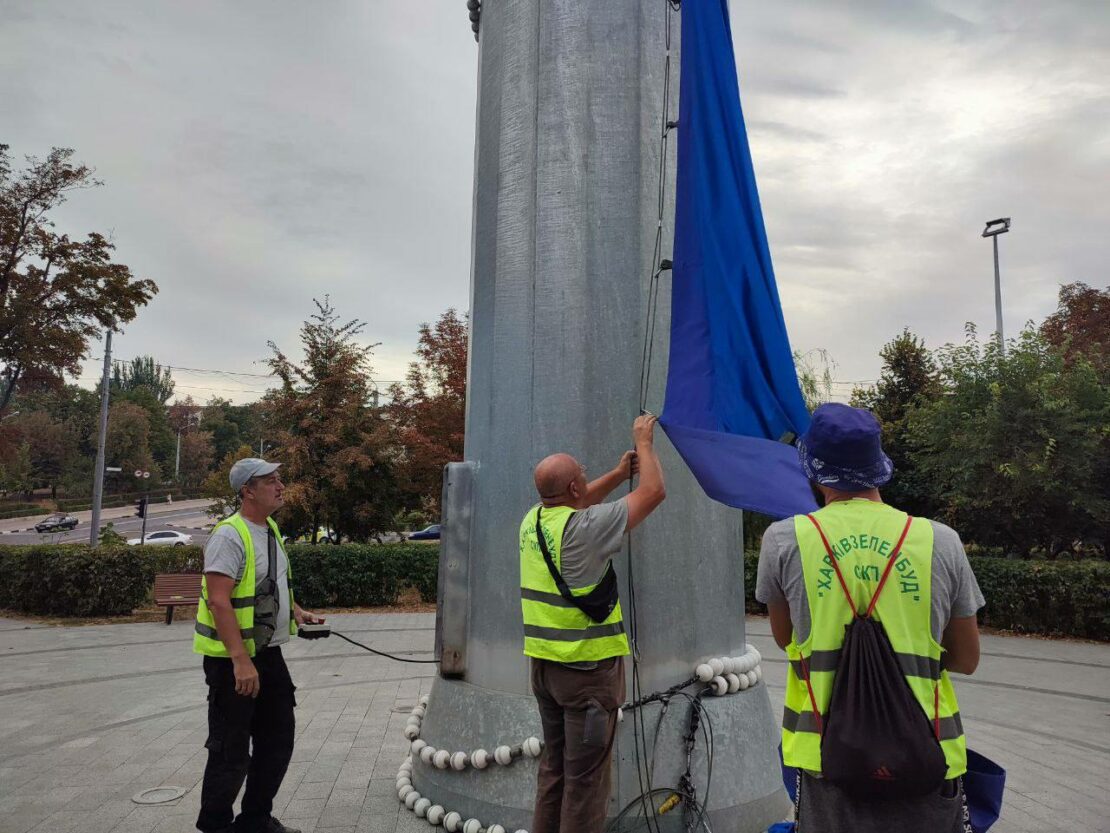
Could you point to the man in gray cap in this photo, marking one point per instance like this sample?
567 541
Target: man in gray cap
245 614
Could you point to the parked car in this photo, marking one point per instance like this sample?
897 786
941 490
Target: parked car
163 538
429 533
56 523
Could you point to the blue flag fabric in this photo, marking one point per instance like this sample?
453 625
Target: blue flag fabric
732 390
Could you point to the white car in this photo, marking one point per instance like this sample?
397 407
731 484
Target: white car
163 538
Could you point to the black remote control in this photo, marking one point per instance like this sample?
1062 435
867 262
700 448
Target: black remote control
311 631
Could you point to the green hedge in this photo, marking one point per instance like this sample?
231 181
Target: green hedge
1053 598
75 580
22 510
1062 598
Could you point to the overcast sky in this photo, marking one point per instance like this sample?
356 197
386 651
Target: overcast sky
259 154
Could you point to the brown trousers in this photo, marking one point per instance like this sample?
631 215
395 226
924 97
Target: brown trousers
578 710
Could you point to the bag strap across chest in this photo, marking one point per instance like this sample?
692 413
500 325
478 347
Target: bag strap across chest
851 601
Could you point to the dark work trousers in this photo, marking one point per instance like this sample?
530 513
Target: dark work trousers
578 710
235 723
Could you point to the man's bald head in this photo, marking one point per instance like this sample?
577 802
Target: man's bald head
555 474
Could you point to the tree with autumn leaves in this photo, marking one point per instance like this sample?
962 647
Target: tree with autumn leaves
428 412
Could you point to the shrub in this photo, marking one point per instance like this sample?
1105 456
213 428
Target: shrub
1054 598
22 510
76 580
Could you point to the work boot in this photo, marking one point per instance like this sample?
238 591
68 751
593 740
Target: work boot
275 826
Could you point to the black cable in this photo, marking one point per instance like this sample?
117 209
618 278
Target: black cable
381 653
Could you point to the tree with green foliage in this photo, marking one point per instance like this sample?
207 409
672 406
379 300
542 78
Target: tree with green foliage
909 376
56 293
143 372
128 444
1014 448
338 463
197 456
815 368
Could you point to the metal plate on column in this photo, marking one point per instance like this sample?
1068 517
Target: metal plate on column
453 596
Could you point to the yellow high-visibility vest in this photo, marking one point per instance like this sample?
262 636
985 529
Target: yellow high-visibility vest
863 535
554 628
205 638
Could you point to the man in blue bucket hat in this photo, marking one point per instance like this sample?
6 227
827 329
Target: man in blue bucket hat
810 565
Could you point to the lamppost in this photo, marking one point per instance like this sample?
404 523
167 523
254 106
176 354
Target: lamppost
993 229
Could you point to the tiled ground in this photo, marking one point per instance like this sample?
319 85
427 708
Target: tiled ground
90 716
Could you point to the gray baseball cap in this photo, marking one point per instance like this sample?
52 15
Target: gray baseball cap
245 469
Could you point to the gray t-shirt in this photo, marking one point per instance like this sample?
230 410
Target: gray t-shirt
591 537
224 553
955 592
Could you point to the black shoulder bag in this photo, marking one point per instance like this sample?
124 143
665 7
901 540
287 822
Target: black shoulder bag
598 604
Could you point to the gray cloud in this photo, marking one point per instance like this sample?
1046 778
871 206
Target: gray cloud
258 154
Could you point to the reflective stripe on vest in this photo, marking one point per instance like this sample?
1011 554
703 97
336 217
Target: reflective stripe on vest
862 535
555 629
206 640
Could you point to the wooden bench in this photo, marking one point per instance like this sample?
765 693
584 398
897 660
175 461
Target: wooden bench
172 589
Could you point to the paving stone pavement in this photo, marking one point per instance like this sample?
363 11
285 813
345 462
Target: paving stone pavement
90 716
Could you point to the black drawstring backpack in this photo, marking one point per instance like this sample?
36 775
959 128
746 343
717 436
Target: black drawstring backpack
598 604
876 741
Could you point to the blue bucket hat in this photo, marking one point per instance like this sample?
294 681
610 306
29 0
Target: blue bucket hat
843 449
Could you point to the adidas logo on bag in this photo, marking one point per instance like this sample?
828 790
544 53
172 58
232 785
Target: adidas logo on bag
883 774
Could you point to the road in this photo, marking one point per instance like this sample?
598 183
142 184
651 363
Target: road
187 516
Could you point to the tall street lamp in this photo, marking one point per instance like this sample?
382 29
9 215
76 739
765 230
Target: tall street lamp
993 229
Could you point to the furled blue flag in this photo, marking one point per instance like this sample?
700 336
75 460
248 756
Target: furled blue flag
732 391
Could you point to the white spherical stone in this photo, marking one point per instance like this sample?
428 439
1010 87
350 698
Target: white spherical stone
744 684
471 826
756 656
742 664
427 754
759 672
752 678
424 700
403 781
503 755
459 761
452 821
403 793
730 665
733 683
435 815
479 758
717 665
411 799
419 712
720 685
417 746
532 747
421 807
442 759
704 672
412 732
495 828
749 648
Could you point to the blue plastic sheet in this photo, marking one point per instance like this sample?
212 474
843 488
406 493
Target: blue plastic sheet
732 391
